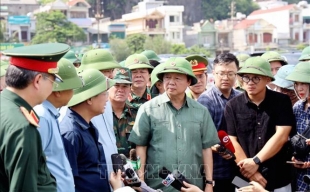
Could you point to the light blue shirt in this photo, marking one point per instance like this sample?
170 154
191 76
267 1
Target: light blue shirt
52 145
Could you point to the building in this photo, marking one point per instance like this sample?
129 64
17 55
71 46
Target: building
152 17
20 7
269 4
305 21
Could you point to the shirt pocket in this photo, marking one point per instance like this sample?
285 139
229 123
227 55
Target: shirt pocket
245 122
160 138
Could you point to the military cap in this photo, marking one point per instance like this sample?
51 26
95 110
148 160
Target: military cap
274 56
154 78
2 72
258 66
99 59
122 76
151 55
69 76
71 56
177 65
301 73
199 63
305 54
280 80
40 57
138 61
242 57
94 84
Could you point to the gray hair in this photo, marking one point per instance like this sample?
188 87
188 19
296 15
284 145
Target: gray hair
19 78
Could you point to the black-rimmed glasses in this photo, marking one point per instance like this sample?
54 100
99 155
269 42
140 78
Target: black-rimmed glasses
254 79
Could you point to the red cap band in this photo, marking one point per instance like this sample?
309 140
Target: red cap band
32 64
199 67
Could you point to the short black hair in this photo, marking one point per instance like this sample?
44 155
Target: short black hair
154 63
226 58
19 78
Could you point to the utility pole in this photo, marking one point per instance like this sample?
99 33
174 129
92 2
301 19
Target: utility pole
232 13
98 16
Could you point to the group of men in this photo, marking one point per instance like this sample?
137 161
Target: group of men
63 116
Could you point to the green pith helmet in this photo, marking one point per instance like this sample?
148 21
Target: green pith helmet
154 78
305 54
177 65
258 66
283 72
71 56
99 59
122 63
301 73
69 76
2 71
151 55
138 61
122 76
274 56
94 84
242 57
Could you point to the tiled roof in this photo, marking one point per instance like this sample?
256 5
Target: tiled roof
73 2
245 23
263 11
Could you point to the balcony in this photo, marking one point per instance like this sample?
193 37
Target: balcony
154 31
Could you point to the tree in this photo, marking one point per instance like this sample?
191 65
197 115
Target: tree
54 27
157 44
136 42
196 49
178 49
119 49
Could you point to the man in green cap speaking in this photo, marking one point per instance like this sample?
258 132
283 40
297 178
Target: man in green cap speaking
29 78
85 153
52 144
167 134
259 123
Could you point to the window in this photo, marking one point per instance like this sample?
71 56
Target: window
76 14
174 19
171 18
296 18
177 35
267 37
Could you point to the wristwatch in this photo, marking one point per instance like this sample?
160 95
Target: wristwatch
256 160
210 182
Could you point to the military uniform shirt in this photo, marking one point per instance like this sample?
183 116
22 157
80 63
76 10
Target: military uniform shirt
175 138
122 129
135 101
22 161
53 147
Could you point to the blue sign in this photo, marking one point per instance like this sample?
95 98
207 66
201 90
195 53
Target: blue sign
18 20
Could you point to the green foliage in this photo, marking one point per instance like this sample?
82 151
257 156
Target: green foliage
301 46
196 49
136 42
157 44
54 27
119 49
178 49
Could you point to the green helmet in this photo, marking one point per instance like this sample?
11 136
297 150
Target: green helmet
138 61
151 55
99 59
122 76
301 73
94 83
154 78
242 57
258 66
122 63
70 55
305 54
69 76
177 65
2 72
283 72
274 56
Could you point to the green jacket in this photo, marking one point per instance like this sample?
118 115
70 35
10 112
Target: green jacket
22 161
135 101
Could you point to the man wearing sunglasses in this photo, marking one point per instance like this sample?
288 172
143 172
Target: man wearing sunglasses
259 123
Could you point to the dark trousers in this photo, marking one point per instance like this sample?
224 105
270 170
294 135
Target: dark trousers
224 185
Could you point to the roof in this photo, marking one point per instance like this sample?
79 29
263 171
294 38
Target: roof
245 23
73 2
282 8
83 23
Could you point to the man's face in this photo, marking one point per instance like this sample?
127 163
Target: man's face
175 84
201 84
65 96
225 76
99 103
119 92
108 73
46 85
275 66
140 77
254 84
302 89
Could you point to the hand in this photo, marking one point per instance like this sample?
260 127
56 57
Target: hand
190 188
259 178
247 167
305 165
225 156
254 187
116 180
308 141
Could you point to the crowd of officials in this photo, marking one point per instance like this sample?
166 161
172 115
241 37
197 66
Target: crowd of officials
64 115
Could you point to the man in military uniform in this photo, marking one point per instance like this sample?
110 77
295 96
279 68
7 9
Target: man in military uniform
242 57
153 59
199 67
123 115
140 70
29 80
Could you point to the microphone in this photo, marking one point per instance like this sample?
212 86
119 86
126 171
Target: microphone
224 138
175 179
131 178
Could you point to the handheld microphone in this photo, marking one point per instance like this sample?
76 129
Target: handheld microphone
131 178
175 179
224 138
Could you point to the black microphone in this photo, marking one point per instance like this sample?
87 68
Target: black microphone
175 179
131 178
223 151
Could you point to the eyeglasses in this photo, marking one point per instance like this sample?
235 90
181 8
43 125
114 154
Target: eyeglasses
254 79
229 75
53 81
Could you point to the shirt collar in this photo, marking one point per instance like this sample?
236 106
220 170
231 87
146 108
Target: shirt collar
51 108
80 120
166 99
146 95
247 99
233 92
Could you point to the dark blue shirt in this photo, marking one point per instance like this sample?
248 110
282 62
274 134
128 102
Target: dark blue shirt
86 155
215 101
